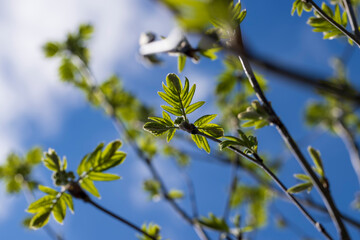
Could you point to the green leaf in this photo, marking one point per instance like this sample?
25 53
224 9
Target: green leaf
170 134
173 82
315 155
110 150
152 187
51 49
152 229
59 210
169 100
175 194
85 31
156 128
210 53
303 177
34 156
176 112
89 186
167 117
48 190
300 187
194 106
42 203
213 130
67 70
188 98
181 62
99 161
40 219
52 160
201 142
228 143
215 223
204 120
117 159
68 200
99 176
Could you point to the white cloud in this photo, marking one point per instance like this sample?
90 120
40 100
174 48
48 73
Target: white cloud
30 93
32 99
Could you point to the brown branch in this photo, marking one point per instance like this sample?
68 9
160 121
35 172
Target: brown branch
259 162
274 119
352 18
349 139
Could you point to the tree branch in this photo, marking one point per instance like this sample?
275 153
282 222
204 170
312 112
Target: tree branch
352 18
259 162
349 139
126 222
324 193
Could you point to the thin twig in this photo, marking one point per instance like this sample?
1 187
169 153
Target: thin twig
259 162
233 184
349 139
274 119
121 219
352 18
332 22
192 194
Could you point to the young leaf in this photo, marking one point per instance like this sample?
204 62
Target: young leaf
89 186
40 219
59 210
48 190
181 62
215 223
175 194
194 106
315 155
52 160
204 120
99 176
170 134
300 187
156 128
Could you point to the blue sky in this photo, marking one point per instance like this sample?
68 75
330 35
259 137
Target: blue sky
37 109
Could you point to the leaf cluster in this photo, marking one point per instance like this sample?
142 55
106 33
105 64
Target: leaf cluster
93 165
179 98
250 143
214 222
307 183
54 202
90 169
16 170
321 25
299 6
152 229
256 114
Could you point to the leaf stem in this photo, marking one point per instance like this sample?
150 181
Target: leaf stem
259 162
274 119
332 22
